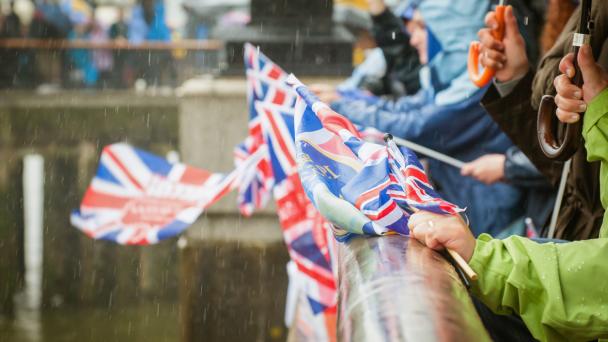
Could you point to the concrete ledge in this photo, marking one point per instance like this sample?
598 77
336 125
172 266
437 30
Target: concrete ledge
85 99
258 230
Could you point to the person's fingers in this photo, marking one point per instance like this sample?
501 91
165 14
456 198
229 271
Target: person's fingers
511 27
420 232
570 105
491 21
567 117
488 41
484 178
497 56
491 63
425 233
474 175
467 169
413 220
566 65
432 240
481 177
589 68
419 218
564 87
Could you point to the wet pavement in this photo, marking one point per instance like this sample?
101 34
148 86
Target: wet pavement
150 322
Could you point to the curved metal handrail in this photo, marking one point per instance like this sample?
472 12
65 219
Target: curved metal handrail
394 289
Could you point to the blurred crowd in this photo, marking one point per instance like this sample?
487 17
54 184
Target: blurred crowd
89 68
143 22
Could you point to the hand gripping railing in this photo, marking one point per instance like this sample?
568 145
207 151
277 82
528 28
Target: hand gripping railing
393 289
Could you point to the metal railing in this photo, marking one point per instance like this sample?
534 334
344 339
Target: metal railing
394 289
66 44
28 63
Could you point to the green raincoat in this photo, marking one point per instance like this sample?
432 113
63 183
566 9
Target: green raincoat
559 290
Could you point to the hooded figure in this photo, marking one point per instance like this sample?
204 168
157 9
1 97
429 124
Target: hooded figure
445 114
148 22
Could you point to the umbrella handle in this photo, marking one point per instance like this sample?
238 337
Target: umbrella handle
558 141
549 128
481 79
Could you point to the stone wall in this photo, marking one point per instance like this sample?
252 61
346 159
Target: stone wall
69 131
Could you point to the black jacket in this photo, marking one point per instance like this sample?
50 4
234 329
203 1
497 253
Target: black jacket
402 60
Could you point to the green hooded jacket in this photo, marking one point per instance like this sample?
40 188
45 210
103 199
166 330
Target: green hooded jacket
559 290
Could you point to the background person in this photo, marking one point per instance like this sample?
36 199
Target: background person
445 114
391 68
513 167
148 24
119 33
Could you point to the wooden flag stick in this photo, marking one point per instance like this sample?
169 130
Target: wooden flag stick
459 260
462 264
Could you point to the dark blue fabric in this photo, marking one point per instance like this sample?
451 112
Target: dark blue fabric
433 45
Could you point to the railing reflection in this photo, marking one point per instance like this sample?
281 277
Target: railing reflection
394 289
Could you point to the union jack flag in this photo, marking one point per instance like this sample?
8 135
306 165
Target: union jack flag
271 103
362 188
265 83
138 198
266 80
304 230
257 182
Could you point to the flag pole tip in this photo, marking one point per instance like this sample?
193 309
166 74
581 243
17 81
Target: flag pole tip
292 80
388 137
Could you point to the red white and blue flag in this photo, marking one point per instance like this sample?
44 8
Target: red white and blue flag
265 83
306 233
138 198
362 188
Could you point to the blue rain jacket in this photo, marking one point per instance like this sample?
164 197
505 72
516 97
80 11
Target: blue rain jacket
445 115
140 30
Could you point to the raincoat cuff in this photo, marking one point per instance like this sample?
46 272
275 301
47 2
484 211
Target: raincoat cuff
481 263
506 88
477 261
595 111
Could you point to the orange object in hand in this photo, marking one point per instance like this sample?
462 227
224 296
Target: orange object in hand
482 79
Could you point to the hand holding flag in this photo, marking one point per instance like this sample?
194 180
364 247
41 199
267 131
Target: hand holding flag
360 187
